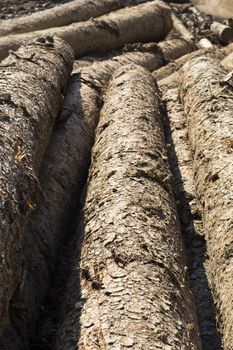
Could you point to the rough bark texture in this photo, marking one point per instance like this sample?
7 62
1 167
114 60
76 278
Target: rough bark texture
132 272
142 23
73 11
168 76
151 56
31 85
63 171
181 161
207 95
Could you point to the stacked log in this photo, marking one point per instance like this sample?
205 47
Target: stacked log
106 32
131 266
64 169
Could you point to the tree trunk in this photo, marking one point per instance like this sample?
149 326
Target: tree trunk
107 32
73 11
181 161
169 74
206 92
131 271
32 81
64 169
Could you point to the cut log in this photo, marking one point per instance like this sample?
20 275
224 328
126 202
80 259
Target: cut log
73 11
107 32
131 270
207 95
224 33
63 172
31 86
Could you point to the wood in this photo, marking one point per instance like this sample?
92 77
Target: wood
63 173
180 28
107 32
224 33
32 81
134 293
207 95
73 11
227 62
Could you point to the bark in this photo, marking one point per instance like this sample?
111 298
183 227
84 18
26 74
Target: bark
223 32
131 270
63 172
73 11
32 81
151 56
170 73
107 32
181 29
181 161
206 92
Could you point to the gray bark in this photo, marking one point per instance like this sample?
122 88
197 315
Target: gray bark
131 271
64 169
106 32
73 11
206 92
31 86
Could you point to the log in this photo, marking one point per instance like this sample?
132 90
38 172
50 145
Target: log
227 62
181 29
73 11
223 32
107 32
31 86
170 73
206 92
190 214
131 269
63 172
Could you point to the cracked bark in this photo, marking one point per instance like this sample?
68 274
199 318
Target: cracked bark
106 32
63 172
31 86
131 270
73 11
206 92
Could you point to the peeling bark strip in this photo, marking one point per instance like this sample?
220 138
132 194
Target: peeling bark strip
63 171
107 32
207 95
74 11
132 273
31 85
